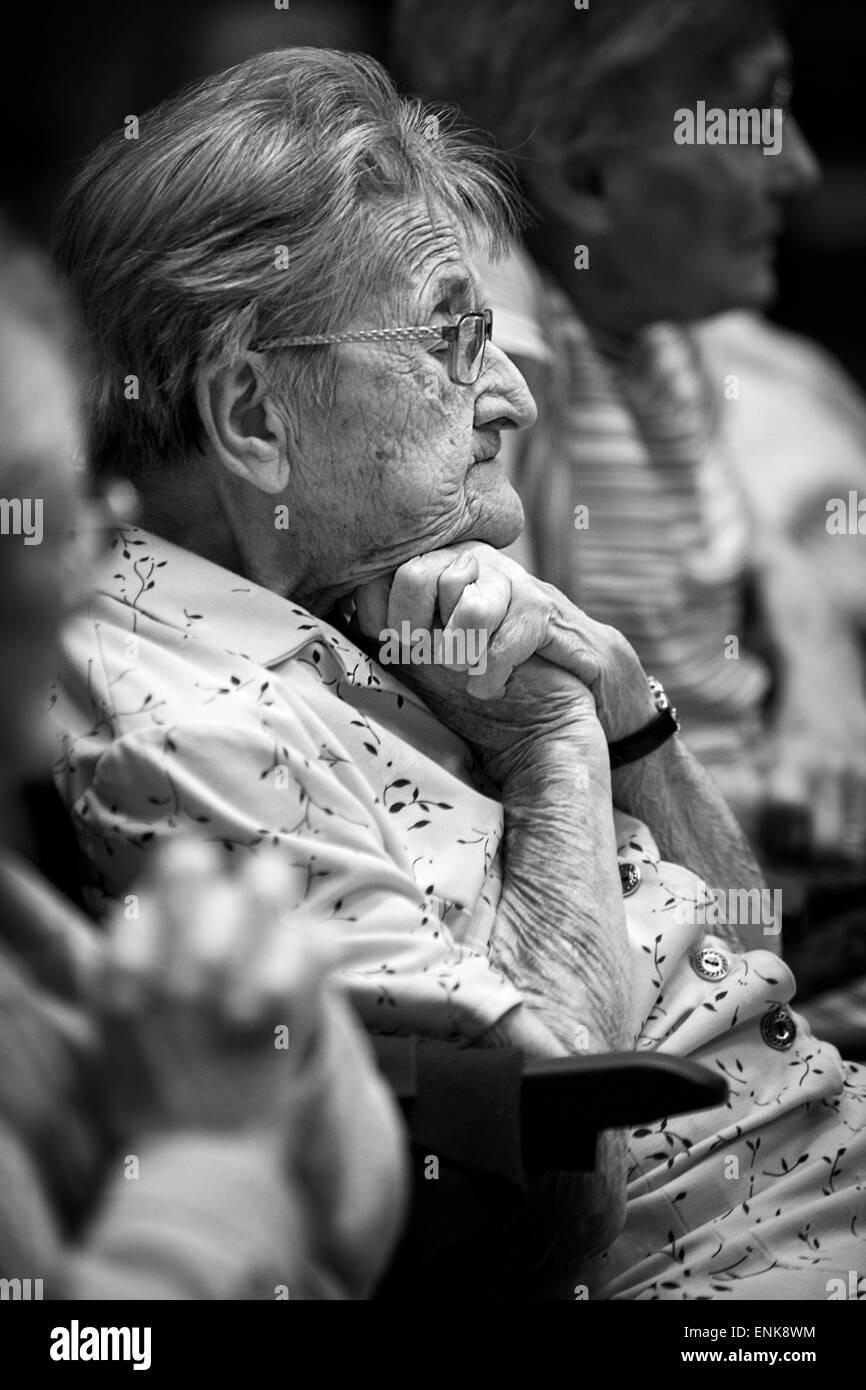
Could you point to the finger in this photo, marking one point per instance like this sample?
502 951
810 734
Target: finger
141 945
414 592
220 928
265 882
483 600
282 986
371 605
514 642
575 645
268 885
479 614
194 902
454 580
128 968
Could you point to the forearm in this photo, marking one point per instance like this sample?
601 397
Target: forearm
692 824
206 1215
560 934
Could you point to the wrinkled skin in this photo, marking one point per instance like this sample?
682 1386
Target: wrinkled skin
401 463
404 443
402 466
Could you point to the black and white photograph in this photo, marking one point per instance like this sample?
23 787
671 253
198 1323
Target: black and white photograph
433 700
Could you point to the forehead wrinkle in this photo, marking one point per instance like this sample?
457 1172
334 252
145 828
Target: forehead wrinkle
433 264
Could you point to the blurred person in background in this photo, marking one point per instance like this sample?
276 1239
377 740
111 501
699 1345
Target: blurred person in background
676 481
187 1109
292 359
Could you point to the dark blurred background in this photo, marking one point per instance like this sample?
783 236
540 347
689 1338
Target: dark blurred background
71 73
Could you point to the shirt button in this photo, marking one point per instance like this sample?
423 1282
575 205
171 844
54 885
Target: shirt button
629 877
778 1029
710 963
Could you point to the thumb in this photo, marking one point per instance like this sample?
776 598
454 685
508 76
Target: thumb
564 647
371 604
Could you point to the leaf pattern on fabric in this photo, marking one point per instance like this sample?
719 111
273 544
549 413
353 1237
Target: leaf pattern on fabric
237 715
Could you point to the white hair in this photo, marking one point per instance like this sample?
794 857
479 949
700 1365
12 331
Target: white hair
172 238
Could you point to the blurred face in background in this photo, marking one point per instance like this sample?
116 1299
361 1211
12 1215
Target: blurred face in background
40 434
677 231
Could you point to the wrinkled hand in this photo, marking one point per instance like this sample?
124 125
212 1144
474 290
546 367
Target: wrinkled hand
541 701
471 587
199 993
195 987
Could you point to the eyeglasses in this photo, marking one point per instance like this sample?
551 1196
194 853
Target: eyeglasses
466 339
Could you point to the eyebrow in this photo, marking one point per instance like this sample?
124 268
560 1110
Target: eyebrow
452 293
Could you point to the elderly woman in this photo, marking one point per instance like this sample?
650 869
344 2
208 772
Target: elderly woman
187 1108
292 360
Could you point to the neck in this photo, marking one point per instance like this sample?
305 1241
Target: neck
231 524
182 509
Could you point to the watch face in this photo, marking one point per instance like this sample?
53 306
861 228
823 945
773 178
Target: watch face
658 693
662 701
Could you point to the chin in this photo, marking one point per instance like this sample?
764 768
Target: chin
752 286
748 282
499 517
760 289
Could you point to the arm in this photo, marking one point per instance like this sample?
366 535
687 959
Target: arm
261 1154
693 826
560 937
669 791
397 957
560 932
206 1215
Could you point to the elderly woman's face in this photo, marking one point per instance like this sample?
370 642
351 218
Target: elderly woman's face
689 230
406 460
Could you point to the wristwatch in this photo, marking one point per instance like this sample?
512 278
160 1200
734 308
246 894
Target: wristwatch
652 735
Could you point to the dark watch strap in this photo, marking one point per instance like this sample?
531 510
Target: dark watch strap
651 736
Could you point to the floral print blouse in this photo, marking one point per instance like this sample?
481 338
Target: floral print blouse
191 700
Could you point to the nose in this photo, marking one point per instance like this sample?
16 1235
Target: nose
503 394
797 169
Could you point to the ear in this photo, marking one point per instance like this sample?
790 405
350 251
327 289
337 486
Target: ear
246 433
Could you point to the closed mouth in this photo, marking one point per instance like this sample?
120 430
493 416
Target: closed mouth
485 455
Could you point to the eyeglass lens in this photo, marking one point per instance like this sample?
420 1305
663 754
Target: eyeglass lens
471 337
